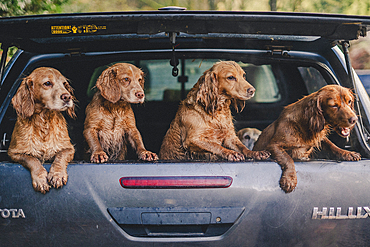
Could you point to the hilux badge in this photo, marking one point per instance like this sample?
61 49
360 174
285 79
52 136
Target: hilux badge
332 213
13 213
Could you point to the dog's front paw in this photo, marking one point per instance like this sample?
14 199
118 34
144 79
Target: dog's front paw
258 155
57 178
234 156
39 181
148 156
99 157
288 180
350 156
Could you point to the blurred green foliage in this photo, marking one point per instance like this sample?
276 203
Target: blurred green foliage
353 7
25 7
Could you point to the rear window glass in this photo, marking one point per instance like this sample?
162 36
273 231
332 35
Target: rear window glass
160 85
263 79
312 78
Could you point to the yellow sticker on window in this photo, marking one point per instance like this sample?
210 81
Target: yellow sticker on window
74 29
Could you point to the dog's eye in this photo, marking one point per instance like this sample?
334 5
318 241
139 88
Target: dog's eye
231 78
48 84
349 102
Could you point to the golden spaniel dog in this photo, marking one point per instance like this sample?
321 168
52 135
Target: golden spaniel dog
40 133
110 122
305 125
203 126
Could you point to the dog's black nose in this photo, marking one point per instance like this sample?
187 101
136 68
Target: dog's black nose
139 95
352 120
66 97
251 91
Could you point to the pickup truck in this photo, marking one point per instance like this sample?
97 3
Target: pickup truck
187 203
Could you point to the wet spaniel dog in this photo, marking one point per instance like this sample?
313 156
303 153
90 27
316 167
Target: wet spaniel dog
40 133
110 122
203 126
305 125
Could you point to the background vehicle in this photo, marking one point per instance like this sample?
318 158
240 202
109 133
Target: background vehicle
364 76
285 55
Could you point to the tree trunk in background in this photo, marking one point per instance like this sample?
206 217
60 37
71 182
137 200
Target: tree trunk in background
212 4
272 5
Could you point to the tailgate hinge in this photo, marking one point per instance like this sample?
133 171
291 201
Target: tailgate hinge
75 53
278 50
5 48
174 62
345 45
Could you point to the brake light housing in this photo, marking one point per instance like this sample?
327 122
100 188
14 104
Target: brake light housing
176 182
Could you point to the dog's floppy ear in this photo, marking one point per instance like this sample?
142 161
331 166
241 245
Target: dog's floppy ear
23 101
353 98
207 94
142 80
108 85
70 110
313 114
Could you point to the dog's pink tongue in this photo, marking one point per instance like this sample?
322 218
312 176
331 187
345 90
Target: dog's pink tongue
345 131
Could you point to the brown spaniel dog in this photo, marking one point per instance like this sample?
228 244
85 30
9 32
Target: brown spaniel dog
110 122
203 126
40 133
305 125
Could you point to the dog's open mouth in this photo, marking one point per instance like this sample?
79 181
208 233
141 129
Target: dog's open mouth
343 131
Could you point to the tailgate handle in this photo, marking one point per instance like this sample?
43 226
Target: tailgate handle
176 221
176 218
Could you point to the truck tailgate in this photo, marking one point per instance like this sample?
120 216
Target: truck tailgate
330 206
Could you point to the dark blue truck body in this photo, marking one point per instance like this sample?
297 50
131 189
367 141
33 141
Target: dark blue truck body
286 56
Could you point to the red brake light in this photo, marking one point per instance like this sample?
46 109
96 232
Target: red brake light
176 182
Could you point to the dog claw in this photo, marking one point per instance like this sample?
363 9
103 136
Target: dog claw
99 157
259 155
57 179
148 156
40 183
41 186
351 156
235 156
288 181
